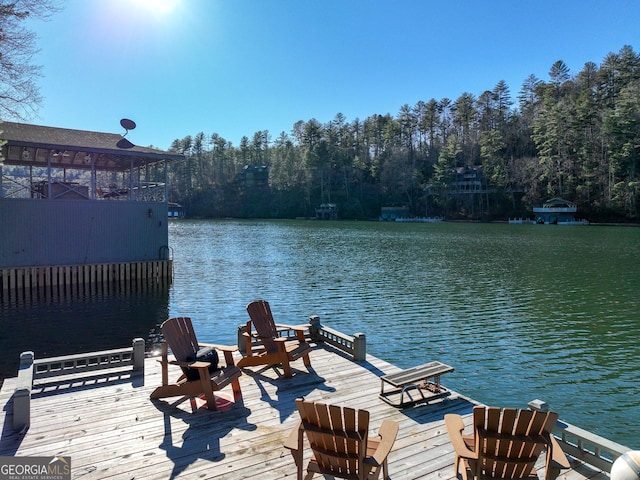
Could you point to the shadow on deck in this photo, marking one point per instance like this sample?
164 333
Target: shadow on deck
112 430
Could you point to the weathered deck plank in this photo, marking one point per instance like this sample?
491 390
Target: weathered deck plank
112 430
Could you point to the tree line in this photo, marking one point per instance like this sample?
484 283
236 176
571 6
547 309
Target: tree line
573 136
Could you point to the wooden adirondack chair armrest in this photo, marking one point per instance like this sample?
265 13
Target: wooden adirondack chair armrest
281 343
296 328
455 426
193 364
222 348
248 342
204 365
228 357
558 457
284 326
294 443
294 439
300 331
227 350
302 328
388 432
179 364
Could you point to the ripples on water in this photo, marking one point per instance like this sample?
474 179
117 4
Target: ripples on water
520 311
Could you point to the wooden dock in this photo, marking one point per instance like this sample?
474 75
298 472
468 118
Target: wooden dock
112 430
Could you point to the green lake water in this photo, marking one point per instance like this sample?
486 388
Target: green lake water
520 311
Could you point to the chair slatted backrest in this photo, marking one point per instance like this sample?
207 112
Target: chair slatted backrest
337 436
509 441
260 313
180 336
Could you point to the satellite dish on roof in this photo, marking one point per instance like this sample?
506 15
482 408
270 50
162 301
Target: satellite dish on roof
127 125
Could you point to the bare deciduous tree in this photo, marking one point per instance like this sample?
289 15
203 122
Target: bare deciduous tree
19 94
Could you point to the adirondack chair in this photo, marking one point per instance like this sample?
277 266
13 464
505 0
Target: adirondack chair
181 338
272 349
505 444
340 442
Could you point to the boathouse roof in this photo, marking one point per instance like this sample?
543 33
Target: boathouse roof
36 145
558 202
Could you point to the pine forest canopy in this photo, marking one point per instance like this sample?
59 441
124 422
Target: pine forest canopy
489 156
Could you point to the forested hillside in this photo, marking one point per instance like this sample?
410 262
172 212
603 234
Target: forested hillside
574 136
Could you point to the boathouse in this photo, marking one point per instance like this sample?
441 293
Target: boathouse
557 211
392 213
80 208
327 211
175 210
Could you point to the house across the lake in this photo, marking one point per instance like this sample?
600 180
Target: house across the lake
254 176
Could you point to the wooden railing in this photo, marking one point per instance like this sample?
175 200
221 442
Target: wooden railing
24 283
588 447
31 370
355 346
580 444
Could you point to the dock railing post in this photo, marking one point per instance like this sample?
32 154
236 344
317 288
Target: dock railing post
242 343
314 327
138 355
359 347
539 405
22 393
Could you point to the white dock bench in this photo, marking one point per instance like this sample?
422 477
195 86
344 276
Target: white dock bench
415 378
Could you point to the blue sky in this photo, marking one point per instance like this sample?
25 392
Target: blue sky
234 67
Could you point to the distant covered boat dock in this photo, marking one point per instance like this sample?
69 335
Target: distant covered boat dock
80 208
557 212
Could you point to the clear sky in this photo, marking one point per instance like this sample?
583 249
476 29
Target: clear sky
234 67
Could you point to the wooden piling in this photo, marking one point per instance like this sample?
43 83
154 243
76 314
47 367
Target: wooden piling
26 283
